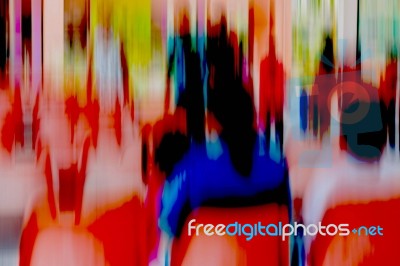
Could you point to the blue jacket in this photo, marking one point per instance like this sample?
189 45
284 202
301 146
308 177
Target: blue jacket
197 179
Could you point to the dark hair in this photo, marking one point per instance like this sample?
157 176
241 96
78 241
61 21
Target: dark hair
173 147
229 101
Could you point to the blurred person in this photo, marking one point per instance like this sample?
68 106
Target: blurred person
232 169
76 23
184 62
324 82
109 61
76 20
363 190
272 82
108 73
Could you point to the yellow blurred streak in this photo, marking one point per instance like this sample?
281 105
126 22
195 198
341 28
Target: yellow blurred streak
131 21
310 24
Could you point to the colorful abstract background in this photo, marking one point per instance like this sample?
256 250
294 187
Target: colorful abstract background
122 120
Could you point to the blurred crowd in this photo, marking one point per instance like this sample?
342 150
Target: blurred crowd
120 121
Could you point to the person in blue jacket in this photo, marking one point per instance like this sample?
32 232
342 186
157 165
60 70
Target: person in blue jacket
235 169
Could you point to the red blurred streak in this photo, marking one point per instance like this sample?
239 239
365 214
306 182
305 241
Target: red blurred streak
271 83
118 122
28 238
369 214
269 250
50 189
387 86
80 182
121 232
